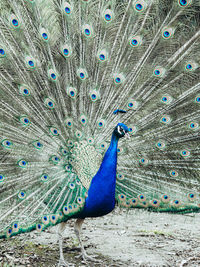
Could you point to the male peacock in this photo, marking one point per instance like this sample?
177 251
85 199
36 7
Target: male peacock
65 67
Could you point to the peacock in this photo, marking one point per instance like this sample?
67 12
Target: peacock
99 106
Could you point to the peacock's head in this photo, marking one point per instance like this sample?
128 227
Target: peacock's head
121 130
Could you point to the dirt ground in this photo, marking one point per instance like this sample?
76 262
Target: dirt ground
133 238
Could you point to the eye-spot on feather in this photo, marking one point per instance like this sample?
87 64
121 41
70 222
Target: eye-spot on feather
72 92
2 178
191 66
173 173
101 123
118 78
44 35
176 203
53 218
30 62
167 32
22 195
120 177
49 103
67 9
143 161
44 177
135 41
193 126
6 143
53 131
24 90
66 50
160 144
166 99
197 99
108 15
165 198
185 153
82 74
132 129
191 196
15 227
22 163
39 227
83 120
159 72
69 123
87 31
52 74
2 52
165 119
134 202
9 232
45 219
139 5
155 203
14 22
141 197
144 204
184 3
37 144
132 104
122 197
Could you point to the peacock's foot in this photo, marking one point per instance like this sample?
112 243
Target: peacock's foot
86 257
63 263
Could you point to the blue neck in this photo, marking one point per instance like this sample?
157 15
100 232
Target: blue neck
113 144
101 194
110 157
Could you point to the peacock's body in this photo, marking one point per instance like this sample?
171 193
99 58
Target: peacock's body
65 67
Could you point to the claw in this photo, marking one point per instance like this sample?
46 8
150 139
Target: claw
63 263
86 258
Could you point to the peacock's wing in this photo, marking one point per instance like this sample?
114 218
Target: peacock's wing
65 67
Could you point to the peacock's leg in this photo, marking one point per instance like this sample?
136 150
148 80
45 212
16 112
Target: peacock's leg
62 261
77 228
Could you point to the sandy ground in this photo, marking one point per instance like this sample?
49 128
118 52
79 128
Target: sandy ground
133 238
